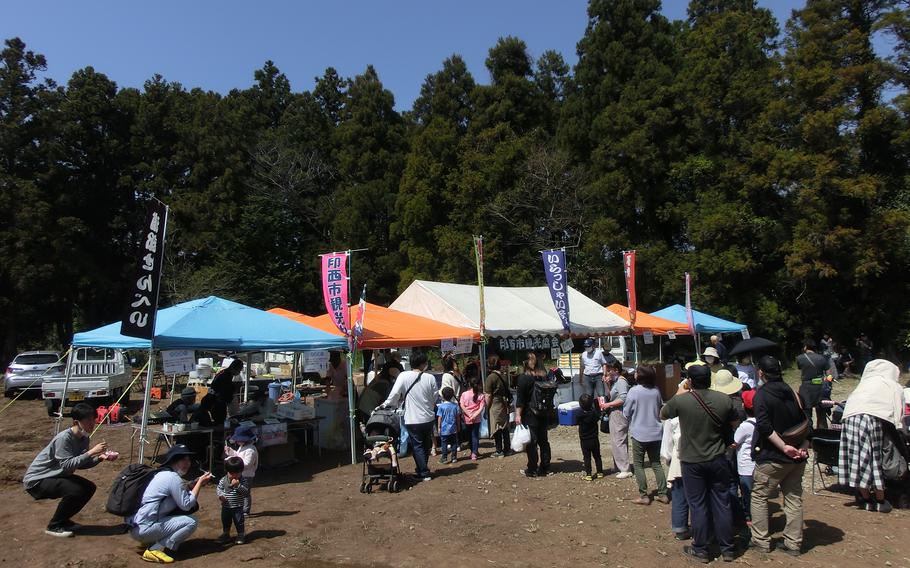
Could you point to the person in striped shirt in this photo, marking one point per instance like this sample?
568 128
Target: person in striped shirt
232 493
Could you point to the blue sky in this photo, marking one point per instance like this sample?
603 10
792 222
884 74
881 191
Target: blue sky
218 45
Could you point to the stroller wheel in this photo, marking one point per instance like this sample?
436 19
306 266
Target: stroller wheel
393 486
363 487
369 487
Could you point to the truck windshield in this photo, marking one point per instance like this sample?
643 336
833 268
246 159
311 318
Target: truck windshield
92 354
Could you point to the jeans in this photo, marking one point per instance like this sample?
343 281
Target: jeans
589 449
421 441
73 491
639 449
789 477
745 488
679 507
473 431
229 515
404 440
708 493
248 501
538 461
449 443
168 532
594 385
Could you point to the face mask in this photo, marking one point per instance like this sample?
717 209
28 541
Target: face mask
710 360
182 470
590 349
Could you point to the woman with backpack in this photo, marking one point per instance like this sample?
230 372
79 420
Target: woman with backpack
535 399
163 520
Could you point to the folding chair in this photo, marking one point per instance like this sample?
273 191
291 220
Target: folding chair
825 451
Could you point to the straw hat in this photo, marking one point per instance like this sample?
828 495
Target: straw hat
711 351
724 381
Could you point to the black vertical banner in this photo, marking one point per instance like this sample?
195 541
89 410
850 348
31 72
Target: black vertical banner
142 298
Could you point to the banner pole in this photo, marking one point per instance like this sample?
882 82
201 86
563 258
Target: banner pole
351 348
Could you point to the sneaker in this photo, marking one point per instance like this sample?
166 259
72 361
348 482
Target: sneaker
223 539
684 535
473 457
600 475
528 472
790 551
71 526
59 532
589 478
544 473
497 455
883 507
759 547
728 556
444 459
157 556
624 475
642 500
424 477
662 499
453 460
433 452
696 556
241 539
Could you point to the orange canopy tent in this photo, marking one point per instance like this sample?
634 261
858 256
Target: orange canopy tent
644 322
384 328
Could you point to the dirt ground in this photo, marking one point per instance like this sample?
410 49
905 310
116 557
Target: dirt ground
483 514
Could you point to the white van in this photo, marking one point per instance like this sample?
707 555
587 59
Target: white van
97 376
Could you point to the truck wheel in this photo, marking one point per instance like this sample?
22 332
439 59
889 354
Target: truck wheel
52 407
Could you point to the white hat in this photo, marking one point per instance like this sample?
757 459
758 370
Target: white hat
724 381
711 351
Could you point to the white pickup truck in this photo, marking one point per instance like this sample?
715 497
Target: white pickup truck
97 376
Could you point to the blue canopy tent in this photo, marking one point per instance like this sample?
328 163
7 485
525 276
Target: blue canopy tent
213 324
704 323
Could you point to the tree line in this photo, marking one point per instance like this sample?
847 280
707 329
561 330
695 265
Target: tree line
773 164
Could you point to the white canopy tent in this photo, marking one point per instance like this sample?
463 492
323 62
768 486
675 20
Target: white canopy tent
510 312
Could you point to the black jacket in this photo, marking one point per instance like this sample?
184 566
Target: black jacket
589 425
776 410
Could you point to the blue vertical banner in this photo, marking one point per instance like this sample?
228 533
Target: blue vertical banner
554 266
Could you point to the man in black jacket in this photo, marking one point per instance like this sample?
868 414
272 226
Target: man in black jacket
778 462
813 368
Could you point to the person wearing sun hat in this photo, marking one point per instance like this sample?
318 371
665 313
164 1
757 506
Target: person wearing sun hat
245 438
163 518
712 359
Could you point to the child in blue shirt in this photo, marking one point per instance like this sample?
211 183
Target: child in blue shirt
447 421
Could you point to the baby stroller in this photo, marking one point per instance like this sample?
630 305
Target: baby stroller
380 462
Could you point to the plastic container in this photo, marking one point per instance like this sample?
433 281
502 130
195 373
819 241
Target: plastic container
568 413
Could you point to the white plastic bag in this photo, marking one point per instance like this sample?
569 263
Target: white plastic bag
520 438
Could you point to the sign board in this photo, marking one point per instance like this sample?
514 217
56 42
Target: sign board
464 345
316 362
671 335
567 345
746 333
649 337
177 362
447 345
554 353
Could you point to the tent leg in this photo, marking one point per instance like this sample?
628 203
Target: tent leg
246 383
146 403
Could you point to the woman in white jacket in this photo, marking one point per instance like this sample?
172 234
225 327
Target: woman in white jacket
669 452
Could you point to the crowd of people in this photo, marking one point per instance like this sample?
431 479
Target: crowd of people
733 435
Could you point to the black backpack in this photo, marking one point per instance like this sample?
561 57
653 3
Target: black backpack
543 395
126 492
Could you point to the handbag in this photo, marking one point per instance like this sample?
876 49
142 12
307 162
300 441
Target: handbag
605 423
796 435
894 465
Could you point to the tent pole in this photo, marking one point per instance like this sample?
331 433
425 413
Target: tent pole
660 350
246 383
66 383
146 403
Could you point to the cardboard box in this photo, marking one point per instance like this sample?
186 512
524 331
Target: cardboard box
668 377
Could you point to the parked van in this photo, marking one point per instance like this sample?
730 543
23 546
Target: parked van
97 376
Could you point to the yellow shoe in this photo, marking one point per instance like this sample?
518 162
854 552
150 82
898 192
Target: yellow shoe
156 556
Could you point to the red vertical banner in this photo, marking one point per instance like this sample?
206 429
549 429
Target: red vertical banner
628 260
335 289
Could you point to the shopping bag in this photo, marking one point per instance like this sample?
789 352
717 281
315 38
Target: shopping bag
520 438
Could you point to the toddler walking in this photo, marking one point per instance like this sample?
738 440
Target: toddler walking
589 436
447 421
232 493
245 438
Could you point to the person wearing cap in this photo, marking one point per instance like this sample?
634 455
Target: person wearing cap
245 439
163 518
813 370
745 467
593 369
51 473
778 464
704 415
181 408
720 348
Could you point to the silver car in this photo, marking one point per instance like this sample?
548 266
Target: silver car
28 370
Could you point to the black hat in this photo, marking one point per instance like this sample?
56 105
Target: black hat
770 366
188 392
699 372
176 452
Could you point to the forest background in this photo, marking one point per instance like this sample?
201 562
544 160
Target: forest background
771 160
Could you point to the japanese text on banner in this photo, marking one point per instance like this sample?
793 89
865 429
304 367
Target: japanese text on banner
142 303
335 289
554 266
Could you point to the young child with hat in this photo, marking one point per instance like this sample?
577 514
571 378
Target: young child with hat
245 438
742 439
